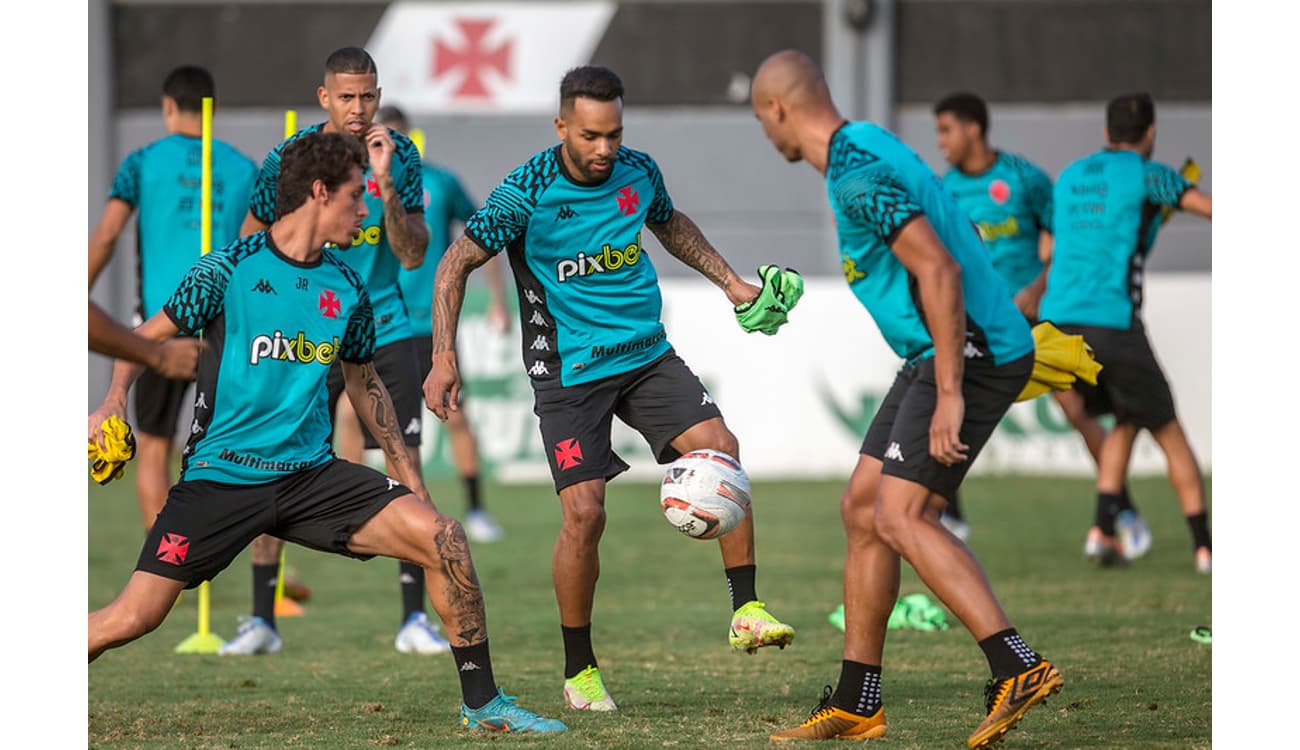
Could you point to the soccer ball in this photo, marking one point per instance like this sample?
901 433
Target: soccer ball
705 494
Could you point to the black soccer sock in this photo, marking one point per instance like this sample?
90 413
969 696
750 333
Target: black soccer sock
954 507
474 665
1200 531
265 578
412 582
1107 509
858 691
740 582
578 654
471 493
1008 654
1125 501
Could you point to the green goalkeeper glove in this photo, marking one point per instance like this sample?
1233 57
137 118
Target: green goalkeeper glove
769 311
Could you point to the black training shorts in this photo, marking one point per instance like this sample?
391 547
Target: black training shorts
395 364
660 400
204 525
158 404
899 434
1131 384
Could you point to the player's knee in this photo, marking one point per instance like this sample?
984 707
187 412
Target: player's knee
584 520
857 513
893 526
130 622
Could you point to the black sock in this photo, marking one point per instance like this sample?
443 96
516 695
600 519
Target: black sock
1126 502
859 689
1200 531
578 654
412 581
265 578
954 506
740 582
471 493
1107 509
474 665
1008 654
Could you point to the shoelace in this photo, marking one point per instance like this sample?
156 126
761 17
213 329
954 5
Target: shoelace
991 692
823 707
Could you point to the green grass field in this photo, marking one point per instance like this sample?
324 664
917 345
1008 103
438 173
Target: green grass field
1133 678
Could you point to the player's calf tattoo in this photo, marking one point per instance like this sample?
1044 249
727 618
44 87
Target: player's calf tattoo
460 581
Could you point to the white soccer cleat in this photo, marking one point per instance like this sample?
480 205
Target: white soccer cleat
419 636
480 527
958 527
255 636
1203 560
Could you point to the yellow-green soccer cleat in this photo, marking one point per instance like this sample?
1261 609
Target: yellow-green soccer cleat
753 628
585 691
1007 701
830 723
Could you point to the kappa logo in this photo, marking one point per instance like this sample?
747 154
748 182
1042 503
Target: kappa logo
329 304
413 428
173 548
541 345
972 352
202 401
628 202
538 320
263 286
565 213
568 454
532 296
392 482
469 666
894 452
707 399
538 369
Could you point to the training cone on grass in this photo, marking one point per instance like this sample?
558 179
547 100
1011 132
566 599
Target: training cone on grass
204 641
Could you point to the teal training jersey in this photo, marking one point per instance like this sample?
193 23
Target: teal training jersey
275 326
445 201
1010 203
370 253
163 181
1108 208
589 300
877 185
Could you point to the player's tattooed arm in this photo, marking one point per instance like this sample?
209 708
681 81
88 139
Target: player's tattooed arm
460 587
681 237
461 258
407 233
374 406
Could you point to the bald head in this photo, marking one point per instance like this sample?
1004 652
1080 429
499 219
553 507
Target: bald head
792 78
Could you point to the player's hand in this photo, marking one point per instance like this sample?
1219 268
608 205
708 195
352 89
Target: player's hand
442 387
1026 301
768 310
178 358
379 144
95 422
945 430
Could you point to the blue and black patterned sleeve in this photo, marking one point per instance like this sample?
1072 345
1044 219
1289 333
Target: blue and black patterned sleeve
358 345
126 185
1165 187
262 203
661 206
201 295
878 201
411 190
502 220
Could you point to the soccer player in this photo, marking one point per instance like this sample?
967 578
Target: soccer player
176 358
1108 211
445 202
570 219
915 262
394 236
1009 199
161 184
259 460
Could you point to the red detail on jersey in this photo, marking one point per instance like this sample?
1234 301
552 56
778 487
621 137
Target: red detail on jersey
173 548
372 186
999 191
568 454
330 306
628 202
474 57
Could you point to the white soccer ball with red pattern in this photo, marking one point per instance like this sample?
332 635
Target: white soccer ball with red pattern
705 494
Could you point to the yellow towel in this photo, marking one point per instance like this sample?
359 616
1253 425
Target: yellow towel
1059 360
119 447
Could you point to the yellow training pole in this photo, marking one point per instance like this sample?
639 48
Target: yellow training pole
204 641
285 607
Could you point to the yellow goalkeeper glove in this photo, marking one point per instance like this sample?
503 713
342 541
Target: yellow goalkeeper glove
109 462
